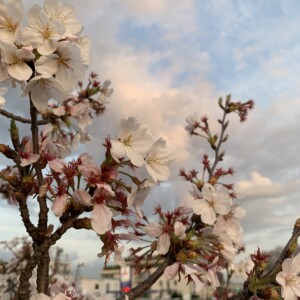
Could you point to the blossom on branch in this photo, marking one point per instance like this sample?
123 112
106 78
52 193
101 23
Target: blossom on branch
63 13
289 278
11 14
3 91
15 59
43 32
42 88
134 141
157 161
213 202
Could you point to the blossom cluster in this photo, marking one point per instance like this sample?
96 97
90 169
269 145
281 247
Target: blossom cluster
48 56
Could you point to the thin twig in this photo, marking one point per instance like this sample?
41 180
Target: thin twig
12 116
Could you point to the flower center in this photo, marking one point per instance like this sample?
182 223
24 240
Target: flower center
211 203
47 32
9 25
44 85
60 16
16 60
127 140
293 279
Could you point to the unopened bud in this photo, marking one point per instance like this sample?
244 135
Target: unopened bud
192 254
221 156
221 103
228 98
14 134
181 257
213 180
270 293
225 138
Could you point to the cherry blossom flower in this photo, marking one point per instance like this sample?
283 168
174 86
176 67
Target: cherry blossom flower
138 196
11 14
227 249
3 91
65 64
59 204
43 88
101 214
81 112
156 230
192 121
211 274
84 44
214 201
27 155
193 272
157 161
42 32
134 140
15 59
289 278
171 271
41 296
3 68
179 230
63 13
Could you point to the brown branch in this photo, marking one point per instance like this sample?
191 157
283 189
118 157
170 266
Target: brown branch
43 213
8 152
218 147
43 262
286 252
83 223
147 283
23 208
21 119
39 251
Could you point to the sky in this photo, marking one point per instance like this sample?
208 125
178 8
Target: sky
168 59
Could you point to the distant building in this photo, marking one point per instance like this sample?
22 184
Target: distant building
161 289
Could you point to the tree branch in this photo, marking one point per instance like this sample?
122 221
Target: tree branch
43 213
39 251
21 119
147 283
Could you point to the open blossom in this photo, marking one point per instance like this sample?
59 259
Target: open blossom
289 278
230 224
156 230
27 155
214 201
193 272
101 214
43 88
15 60
65 64
59 205
227 248
11 14
3 91
138 196
157 161
193 121
179 230
134 140
63 13
84 44
171 271
42 32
